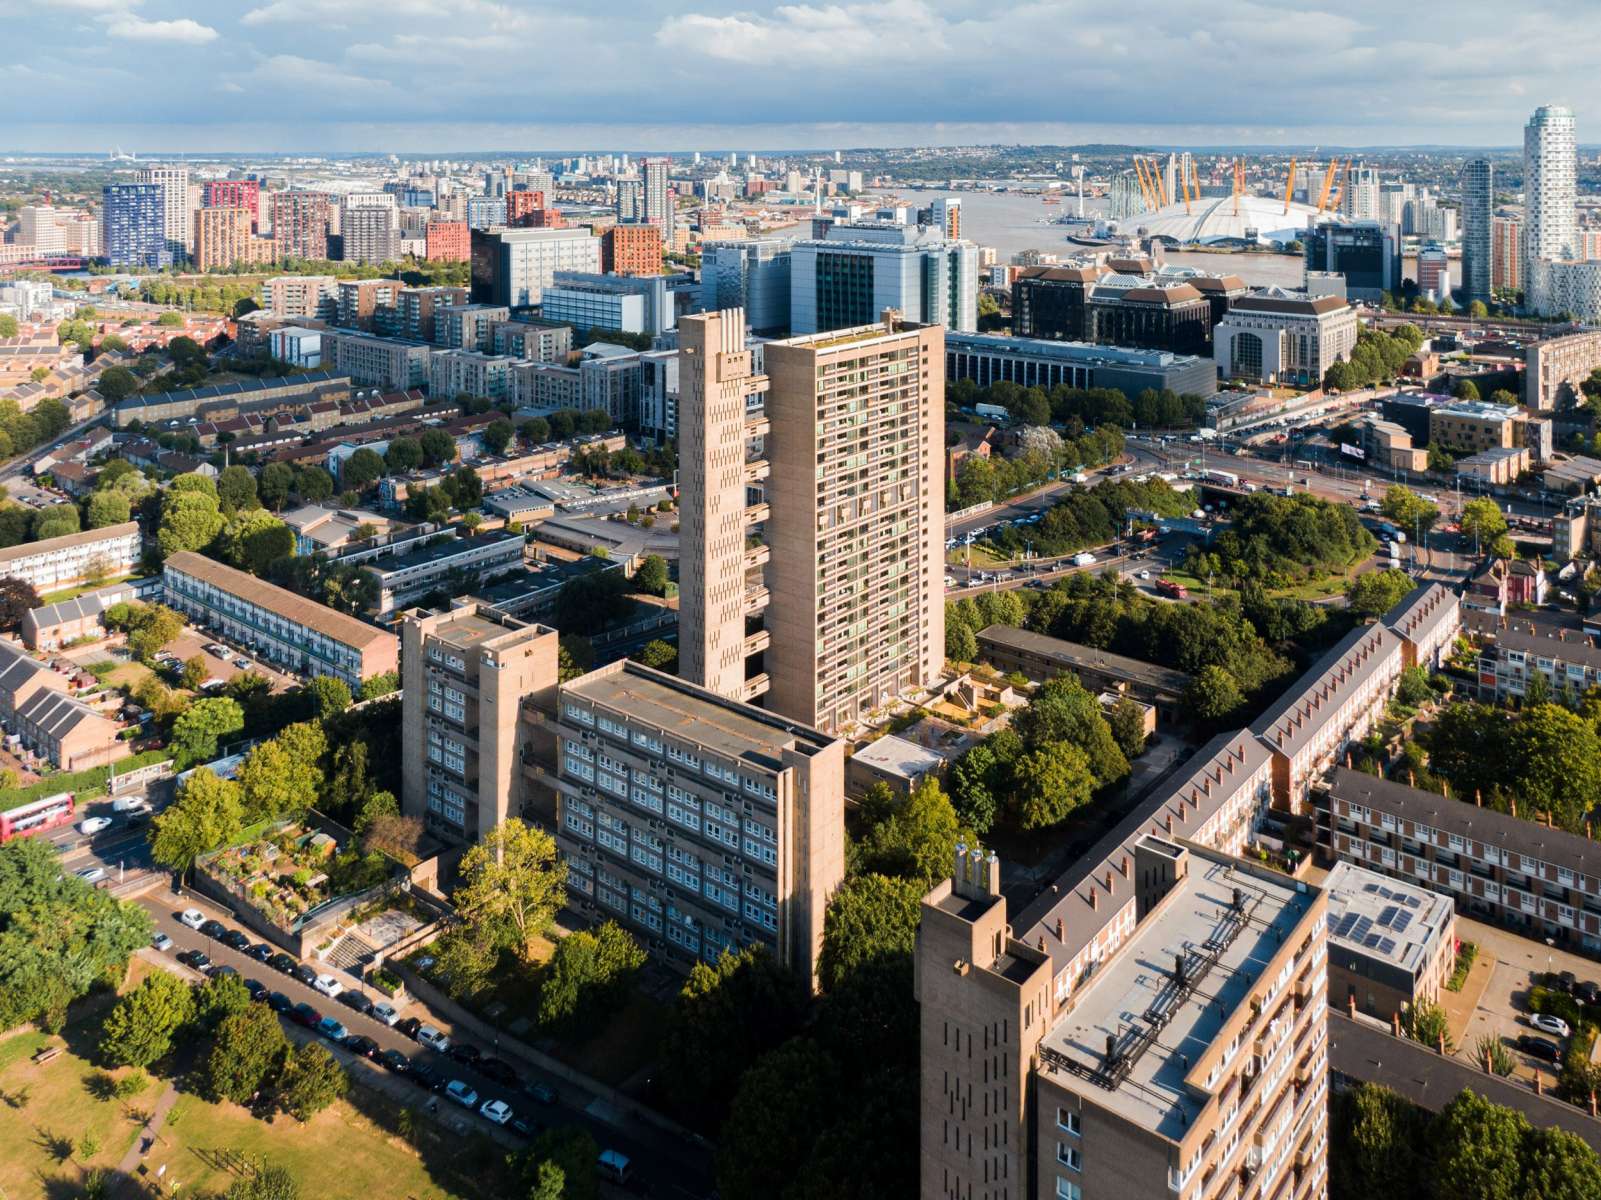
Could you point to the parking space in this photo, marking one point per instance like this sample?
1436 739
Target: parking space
224 662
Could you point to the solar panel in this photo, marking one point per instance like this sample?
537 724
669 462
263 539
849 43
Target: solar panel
1373 939
1388 915
1401 921
1360 931
1386 946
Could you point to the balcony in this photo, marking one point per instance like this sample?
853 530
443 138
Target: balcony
756 600
755 686
758 426
757 514
755 643
757 556
757 471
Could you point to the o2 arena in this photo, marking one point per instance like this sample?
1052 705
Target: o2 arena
1232 220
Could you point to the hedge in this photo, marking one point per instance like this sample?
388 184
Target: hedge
86 784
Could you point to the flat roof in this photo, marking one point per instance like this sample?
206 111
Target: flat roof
1083 352
1134 992
319 618
727 727
897 756
1467 820
469 628
1390 920
441 551
1075 656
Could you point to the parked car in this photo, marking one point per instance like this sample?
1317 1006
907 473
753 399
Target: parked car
91 874
461 1093
1540 1048
198 959
428 1036
92 825
540 1092
355 1000
278 1002
499 1070
192 917
425 1076
385 1012
497 1111
327 985
261 952
282 962
333 1029
306 975
1567 981
161 942
215 930
1546 1023
527 1130
409 1026
257 989
304 1014
615 1166
1589 991
463 1053
235 940
221 971
360 1043
394 1060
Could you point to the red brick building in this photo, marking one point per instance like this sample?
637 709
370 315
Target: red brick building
233 193
448 241
633 249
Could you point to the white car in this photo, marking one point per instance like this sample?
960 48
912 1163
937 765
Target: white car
91 874
192 917
94 824
461 1093
433 1039
384 1013
497 1111
328 985
161 942
1546 1023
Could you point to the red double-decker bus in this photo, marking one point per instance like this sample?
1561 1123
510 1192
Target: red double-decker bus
37 816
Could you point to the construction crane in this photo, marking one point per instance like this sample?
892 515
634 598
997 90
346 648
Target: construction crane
1289 186
1328 182
1345 178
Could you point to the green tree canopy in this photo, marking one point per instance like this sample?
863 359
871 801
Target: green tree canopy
916 839
202 725
1374 593
246 1053
311 1080
512 884
208 813
871 918
588 977
141 1028
1050 782
236 488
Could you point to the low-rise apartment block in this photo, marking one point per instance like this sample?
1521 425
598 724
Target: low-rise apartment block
1515 648
380 362
1542 882
1040 657
289 631
52 626
1191 1062
699 822
36 707
455 372
61 562
457 563
1392 943
466 675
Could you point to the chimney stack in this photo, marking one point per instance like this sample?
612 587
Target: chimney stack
1061 930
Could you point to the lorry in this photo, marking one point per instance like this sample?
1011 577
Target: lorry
1085 559
1172 589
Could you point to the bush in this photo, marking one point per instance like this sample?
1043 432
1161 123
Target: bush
1465 955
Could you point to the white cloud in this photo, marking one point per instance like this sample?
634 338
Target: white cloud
92 5
307 75
834 33
130 28
485 15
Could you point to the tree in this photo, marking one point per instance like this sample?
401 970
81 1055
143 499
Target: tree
660 655
496 436
1407 509
1554 761
140 1029
311 1080
463 488
1558 1165
1478 1149
207 813
219 998
246 1053
313 484
961 644
1465 389
404 454
277 480
588 976
1426 1022
236 489
560 1165
1049 783
534 430
17 598
196 732
382 684
917 839
254 540
1062 710
194 672
107 508
329 696
1213 695
361 470
56 521
729 1013
512 884
117 384
651 577
437 446
976 780
1482 520
151 629
270 1182
1374 593
773 1122
1381 1142
1127 720
8 326
1413 688
871 918
282 776
190 520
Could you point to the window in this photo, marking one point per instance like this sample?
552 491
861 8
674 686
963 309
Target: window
1067 1121
1069 1156
1066 1189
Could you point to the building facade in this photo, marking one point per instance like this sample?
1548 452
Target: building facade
73 558
859 271
750 274
448 241
457 372
134 226
388 363
514 266
1478 208
1365 252
1032 362
175 208
1550 228
1506 253
234 193
631 249
300 222
628 304
1392 944
1276 336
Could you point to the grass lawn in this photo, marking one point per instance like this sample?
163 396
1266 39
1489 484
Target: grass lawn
74 592
981 557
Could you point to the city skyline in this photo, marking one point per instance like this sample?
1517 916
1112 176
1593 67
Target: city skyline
187 78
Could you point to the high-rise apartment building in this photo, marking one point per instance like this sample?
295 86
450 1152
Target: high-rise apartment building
1506 253
1360 198
858 271
657 195
369 227
300 223
465 674
1189 1061
135 226
301 296
1365 252
1550 170
418 307
233 193
43 227
752 274
1434 272
514 266
175 206
1478 211
631 249
222 238
834 609
448 241
630 200
945 214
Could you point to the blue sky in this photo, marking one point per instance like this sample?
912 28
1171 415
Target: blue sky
459 75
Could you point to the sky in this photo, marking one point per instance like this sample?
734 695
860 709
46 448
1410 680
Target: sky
441 76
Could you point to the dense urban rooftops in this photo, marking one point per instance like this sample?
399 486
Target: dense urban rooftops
317 617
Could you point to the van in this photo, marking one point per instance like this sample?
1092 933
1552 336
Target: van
614 1165
125 804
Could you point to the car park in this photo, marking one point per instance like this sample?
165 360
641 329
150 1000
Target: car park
463 1053
333 1029
235 940
497 1111
306 975
428 1036
261 952
92 825
161 942
360 1043
385 1012
327 985
1546 1023
91 874
461 1093
304 1014
282 962
198 959
355 1000
409 1027
215 930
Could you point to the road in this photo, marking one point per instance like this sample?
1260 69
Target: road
671 1166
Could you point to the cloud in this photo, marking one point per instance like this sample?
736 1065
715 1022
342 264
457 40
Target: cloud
92 5
485 15
130 28
834 33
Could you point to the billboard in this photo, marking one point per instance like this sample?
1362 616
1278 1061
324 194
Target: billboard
1351 451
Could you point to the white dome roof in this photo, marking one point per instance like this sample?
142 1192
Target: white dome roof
1213 219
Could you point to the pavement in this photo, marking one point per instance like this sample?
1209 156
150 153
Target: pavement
671 1167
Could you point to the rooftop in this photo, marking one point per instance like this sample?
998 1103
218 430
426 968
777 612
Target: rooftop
897 756
1074 656
694 714
1421 611
336 626
1079 352
243 387
446 548
66 541
1387 919
470 627
1316 697
1159 1024
87 605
